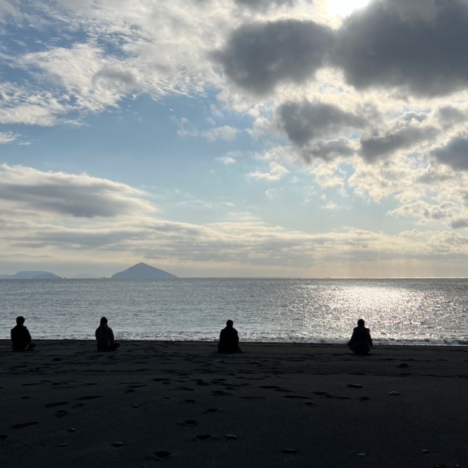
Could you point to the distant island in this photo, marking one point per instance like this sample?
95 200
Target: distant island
31 275
139 271
143 271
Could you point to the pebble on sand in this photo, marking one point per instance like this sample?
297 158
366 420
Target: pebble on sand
230 437
352 385
62 445
71 429
425 451
403 365
117 444
361 455
394 393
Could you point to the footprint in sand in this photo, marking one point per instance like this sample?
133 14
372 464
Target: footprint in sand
220 393
296 397
202 382
337 397
23 425
289 451
188 422
162 455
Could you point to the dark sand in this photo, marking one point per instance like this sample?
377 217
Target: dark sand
65 405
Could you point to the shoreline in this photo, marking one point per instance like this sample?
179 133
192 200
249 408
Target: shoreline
276 404
377 344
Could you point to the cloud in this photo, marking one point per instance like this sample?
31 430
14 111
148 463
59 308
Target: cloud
230 158
9 9
33 227
7 137
225 133
328 150
454 153
30 107
306 121
311 126
424 211
226 160
448 116
264 4
459 223
419 48
402 135
78 196
259 56
277 172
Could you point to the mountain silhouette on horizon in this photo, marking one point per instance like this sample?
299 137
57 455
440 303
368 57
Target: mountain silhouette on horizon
143 271
31 275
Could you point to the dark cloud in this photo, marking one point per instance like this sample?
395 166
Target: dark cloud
417 48
263 4
460 223
385 46
124 77
454 153
449 116
328 150
306 121
377 143
259 56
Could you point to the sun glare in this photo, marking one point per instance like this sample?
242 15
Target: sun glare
345 7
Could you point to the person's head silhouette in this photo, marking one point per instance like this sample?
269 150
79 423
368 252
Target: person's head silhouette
20 320
361 323
103 321
230 323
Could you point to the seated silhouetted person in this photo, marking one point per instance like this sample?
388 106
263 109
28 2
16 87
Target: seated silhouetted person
20 337
105 337
229 339
361 341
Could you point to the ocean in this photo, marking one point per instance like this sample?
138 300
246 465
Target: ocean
398 311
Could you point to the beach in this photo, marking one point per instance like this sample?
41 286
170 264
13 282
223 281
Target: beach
182 404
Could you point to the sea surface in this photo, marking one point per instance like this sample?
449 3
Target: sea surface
398 311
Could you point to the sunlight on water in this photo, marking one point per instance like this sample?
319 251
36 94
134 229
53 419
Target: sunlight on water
397 311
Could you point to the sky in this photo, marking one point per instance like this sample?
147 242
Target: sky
225 138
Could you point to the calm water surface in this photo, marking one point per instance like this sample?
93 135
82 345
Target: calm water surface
419 311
